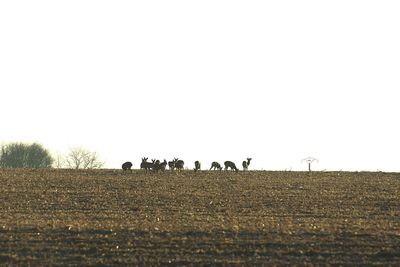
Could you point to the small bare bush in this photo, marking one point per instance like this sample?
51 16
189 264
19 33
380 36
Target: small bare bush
79 158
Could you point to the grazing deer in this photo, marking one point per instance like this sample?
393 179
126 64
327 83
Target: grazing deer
179 164
230 164
215 165
146 165
197 165
127 166
246 164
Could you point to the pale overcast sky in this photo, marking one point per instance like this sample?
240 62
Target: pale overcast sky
277 81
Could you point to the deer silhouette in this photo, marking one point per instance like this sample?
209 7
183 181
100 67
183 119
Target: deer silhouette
159 166
127 166
146 165
179 164
163 165
197 165
246 164
231 165
171 164
215 165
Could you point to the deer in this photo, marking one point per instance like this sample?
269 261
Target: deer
171 164
215 165
159 166
197 165
163 165
246 164
127 166
156 165
179 164
146 165
230 164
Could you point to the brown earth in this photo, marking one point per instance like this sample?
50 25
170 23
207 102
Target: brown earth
105 217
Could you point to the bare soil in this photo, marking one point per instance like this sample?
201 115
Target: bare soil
110 218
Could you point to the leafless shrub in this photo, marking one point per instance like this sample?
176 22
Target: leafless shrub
80 158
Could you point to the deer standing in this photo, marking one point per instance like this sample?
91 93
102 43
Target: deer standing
246 164
159 166
197 165
163 165
179 164
146 165
171 164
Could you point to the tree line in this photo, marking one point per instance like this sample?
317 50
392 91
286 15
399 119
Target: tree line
21 155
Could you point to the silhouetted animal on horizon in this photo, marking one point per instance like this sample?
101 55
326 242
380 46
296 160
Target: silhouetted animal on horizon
127 166
163 165
179 164
146 165
230 164
171 164
215 165
246 164
159 166
197 165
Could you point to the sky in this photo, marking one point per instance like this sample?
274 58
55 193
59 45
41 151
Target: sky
277 81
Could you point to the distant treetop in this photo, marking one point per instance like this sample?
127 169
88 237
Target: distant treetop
20 155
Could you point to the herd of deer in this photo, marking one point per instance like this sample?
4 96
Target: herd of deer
156 165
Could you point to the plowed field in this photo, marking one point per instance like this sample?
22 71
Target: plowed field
106 217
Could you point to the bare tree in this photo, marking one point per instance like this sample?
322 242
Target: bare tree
309 160
80 158
58 161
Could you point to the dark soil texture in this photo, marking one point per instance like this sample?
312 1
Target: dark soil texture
212 218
